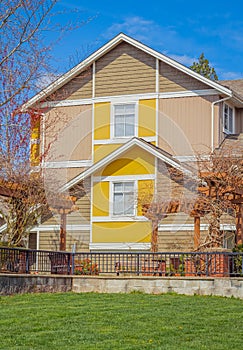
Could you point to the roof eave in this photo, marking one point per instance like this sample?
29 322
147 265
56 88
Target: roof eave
107 47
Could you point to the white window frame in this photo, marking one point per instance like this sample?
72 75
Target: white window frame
226 129
113 105
122 215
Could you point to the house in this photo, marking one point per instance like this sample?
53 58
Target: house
116 124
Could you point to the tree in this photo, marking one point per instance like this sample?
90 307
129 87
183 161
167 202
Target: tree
202 67
24 61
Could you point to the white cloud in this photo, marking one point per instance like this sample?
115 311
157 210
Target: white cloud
230 75
183 59
134 26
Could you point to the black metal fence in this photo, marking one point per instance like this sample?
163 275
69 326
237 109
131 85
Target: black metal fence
219 264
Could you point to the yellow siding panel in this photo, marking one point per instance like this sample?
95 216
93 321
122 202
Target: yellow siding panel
113 232
147 118
101 199
133 162
102 121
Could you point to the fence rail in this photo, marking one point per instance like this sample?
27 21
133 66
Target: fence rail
218 264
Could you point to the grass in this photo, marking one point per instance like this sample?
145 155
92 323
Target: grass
120 321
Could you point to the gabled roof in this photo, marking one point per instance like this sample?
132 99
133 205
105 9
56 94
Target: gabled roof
235 85
64 79
135 141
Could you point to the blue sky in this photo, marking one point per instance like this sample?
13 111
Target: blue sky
177 28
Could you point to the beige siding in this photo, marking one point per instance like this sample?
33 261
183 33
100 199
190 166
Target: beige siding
125 70
78 88
184 124
171 79
68 133
50 240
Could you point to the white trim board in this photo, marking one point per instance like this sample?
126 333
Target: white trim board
68 164
43 228
124 178
106 48
120 218
129 98
119 141
190 227
120 246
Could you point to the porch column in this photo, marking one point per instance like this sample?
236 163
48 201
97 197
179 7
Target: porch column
63 231
239 224
196 231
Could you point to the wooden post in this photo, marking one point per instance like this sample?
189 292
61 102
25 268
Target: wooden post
196 232
63 231
239 224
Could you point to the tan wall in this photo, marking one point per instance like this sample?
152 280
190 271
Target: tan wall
124 70
50 240
69 133
184 124
171 79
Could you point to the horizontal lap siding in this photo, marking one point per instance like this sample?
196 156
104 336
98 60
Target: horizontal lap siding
171 79
124 70
79 87
50 240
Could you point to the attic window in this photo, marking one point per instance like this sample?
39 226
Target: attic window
124 120
228 119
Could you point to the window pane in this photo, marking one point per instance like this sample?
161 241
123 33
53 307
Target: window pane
118 204
129 126
119 109
119 126
128 204
130 108
128 186
118 187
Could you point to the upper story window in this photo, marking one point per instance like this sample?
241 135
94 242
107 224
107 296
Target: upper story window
124 120
228 119
123 198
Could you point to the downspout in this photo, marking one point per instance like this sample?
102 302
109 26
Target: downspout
212 119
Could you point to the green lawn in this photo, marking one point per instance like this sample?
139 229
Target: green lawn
120 321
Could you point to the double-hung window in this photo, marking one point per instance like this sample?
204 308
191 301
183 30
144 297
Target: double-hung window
123 198
228 119
124 120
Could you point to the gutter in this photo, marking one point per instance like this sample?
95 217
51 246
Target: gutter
212 119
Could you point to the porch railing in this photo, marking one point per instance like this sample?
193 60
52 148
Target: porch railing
218 264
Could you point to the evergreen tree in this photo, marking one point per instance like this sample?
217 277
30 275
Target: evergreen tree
202 67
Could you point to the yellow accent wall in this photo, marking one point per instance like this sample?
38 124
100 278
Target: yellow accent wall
113 232
101 199
134 162
102 121
101 151
147 118
35 141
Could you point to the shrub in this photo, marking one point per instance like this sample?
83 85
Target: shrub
85 267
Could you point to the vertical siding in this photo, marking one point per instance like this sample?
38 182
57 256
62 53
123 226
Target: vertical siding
69 133
124 70
238 120
184 124
171 79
